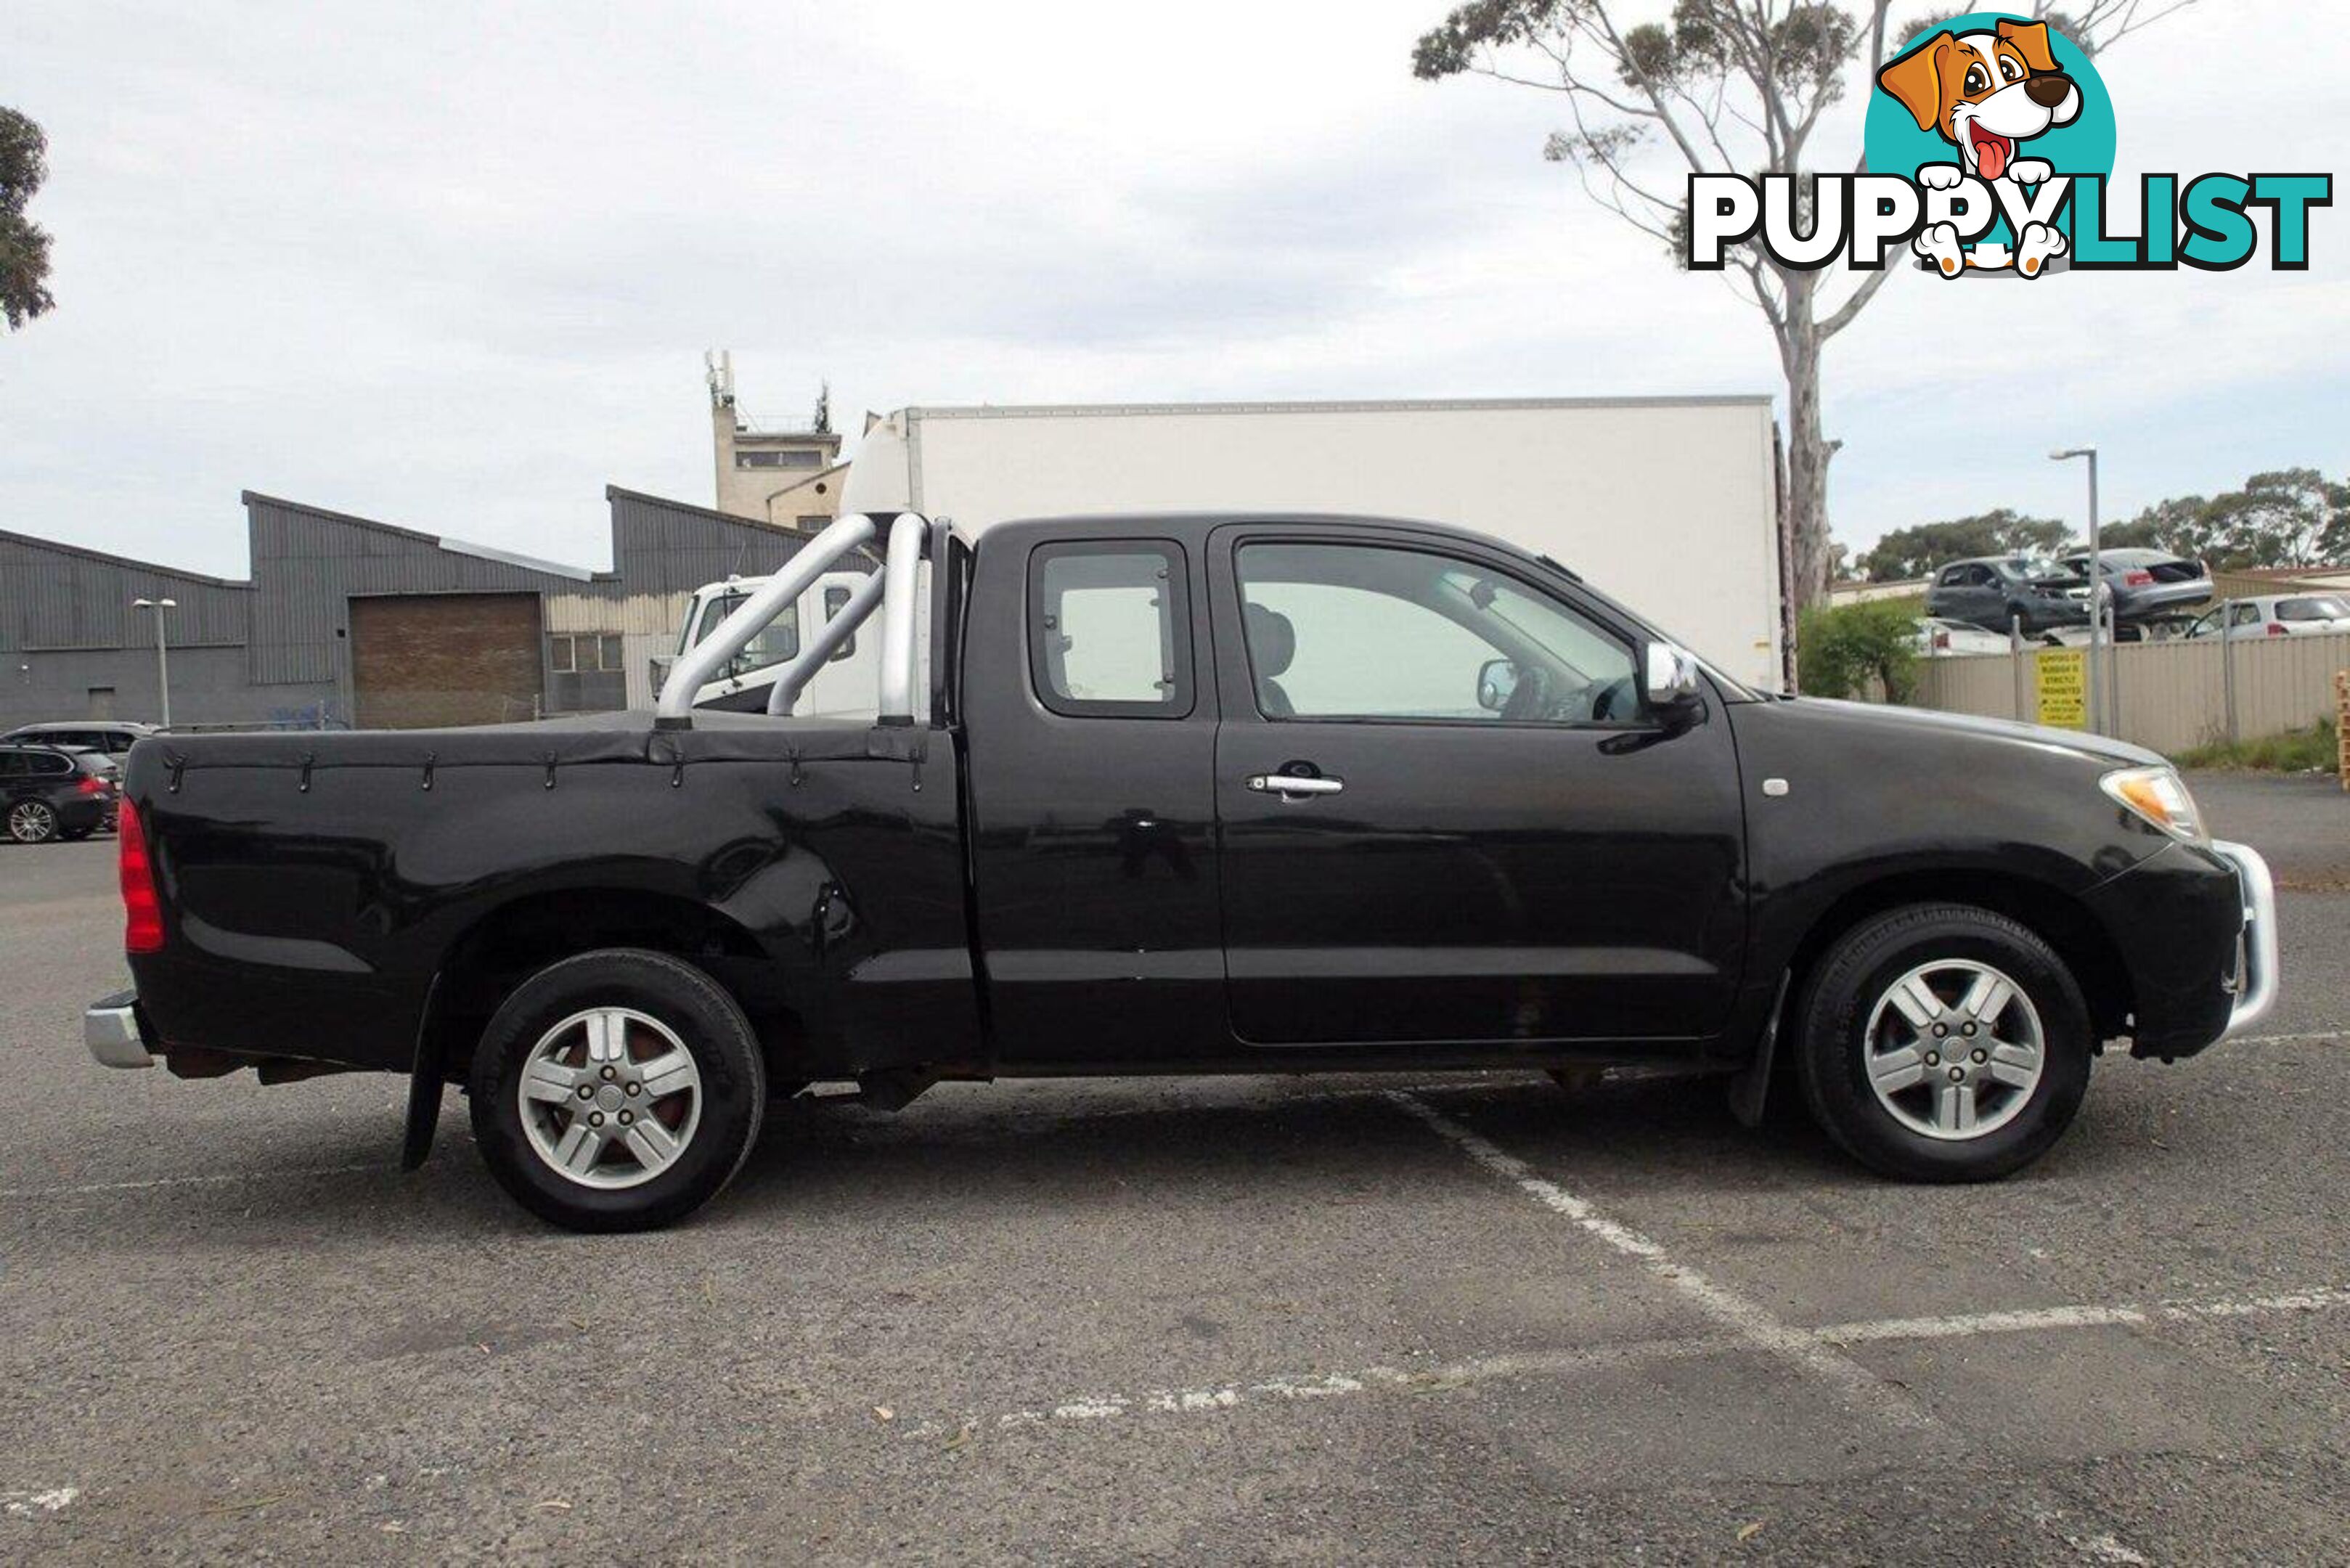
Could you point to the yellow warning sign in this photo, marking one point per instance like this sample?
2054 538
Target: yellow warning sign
2061 685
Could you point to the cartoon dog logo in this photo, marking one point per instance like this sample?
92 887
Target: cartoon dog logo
1986 93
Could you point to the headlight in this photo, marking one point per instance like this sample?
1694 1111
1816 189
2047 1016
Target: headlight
2158 796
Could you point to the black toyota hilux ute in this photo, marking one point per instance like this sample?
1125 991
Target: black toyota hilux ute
1180 794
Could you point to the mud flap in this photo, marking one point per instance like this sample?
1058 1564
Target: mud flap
1750 1087
424 1085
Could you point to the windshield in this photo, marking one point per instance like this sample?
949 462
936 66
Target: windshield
779 641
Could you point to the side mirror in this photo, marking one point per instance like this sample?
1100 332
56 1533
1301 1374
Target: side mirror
1495 681
1668 678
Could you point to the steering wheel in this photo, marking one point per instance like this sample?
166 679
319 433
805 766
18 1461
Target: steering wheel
1605 699
1529 701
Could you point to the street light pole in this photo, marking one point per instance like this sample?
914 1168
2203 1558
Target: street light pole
162 659
2104 715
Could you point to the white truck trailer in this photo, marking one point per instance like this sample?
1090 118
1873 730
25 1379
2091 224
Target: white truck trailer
1670 503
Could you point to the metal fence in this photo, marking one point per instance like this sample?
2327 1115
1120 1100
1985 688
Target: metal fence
2172 695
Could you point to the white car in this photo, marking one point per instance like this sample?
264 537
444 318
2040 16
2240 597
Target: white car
2279 614
1939 636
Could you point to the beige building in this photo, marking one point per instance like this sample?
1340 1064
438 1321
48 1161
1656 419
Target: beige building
787 478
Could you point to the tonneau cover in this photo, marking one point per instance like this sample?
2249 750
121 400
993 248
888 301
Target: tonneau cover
588 739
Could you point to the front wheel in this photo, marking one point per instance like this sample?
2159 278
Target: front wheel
619 1090
1943 1043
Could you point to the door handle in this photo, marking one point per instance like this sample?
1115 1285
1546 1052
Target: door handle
1290 786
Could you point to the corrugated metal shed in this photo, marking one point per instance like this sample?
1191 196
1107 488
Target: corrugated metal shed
59 596
282 640
309 564
667 546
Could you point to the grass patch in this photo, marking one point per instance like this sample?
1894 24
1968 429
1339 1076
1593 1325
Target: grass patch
2311 747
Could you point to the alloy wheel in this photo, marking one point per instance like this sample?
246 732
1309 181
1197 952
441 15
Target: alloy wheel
611 1097
1954 1049
31 822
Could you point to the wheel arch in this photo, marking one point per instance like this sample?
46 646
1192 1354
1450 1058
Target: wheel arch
505 944
2056 916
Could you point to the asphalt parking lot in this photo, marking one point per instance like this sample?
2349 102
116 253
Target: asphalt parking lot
1231 1319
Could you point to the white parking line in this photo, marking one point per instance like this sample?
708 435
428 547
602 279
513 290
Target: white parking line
32 1504
1218 1398
2303 1038
97 1187
1757 1326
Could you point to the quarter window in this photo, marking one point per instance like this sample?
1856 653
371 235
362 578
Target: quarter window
1109 628
1347 632
834 601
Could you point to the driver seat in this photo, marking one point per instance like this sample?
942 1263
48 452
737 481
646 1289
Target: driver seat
1273 643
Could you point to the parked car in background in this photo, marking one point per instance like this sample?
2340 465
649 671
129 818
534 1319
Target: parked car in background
1991 590
2121 631
2279 614
115 737
47 792
1939 636
2147 584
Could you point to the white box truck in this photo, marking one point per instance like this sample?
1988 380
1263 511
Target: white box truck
1669 504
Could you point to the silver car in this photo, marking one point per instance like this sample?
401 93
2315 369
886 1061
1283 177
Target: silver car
2145 584
2279 614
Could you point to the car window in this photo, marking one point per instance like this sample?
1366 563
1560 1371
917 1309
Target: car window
2243 614
12 765
1954 576
1109 628
50 764
2318 609
834 601
1359 631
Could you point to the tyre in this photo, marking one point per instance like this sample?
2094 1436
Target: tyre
619 1090
1943 1043
32 822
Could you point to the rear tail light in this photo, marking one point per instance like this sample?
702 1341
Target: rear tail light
143 927
2137 579
2277 628
1941 640
90 786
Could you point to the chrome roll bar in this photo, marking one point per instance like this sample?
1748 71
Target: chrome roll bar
898 613
794 679
893 588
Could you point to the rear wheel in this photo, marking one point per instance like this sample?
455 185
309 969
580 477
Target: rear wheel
32 822
619 1090
1943 1043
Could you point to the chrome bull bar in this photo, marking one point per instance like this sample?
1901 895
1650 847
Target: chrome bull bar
2257 964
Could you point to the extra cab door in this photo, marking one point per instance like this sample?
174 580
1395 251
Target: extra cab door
1445 811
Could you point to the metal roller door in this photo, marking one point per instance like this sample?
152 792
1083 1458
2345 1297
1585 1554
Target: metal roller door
425 660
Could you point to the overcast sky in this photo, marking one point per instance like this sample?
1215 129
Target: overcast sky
454 266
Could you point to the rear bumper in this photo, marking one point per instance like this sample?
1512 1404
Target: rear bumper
110 1028
2161 599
